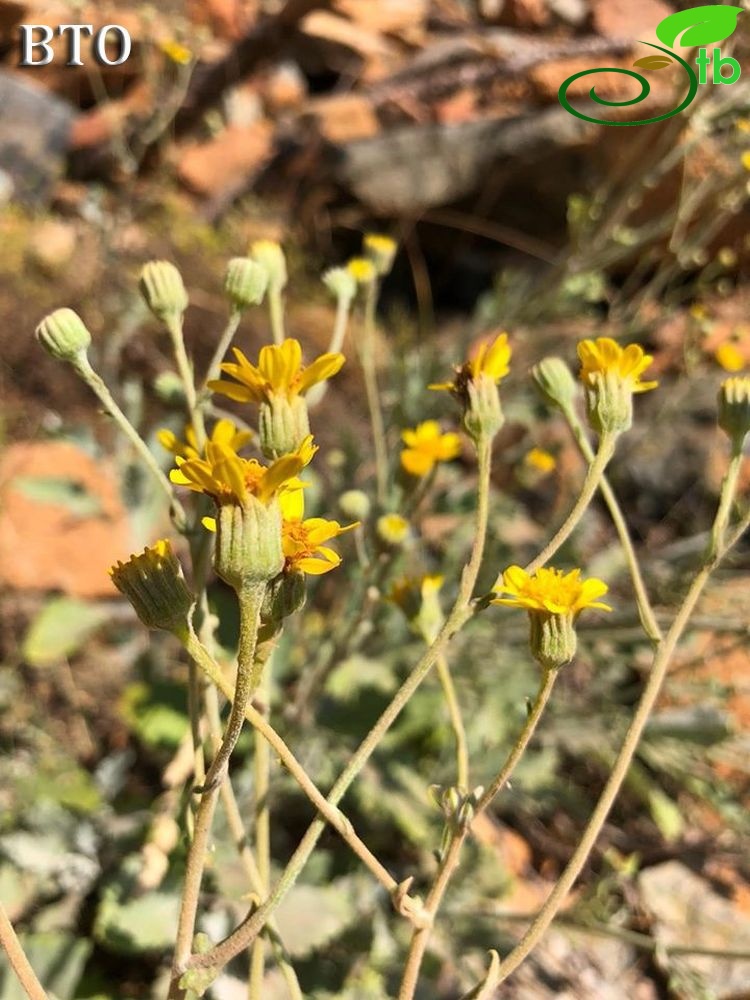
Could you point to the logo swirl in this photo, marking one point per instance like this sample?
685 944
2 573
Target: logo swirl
645 91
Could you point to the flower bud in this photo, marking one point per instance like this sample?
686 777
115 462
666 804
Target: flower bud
362 270
283 424
170 388
154 584
248 543
270 256
64 335
393 529
284 595
555 381
734 409
163 290
381 250
609 403
355 504
552 638
483 413
341 283
245 283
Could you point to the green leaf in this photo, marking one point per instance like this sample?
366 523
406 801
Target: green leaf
61 492
311 916
156 713
60 629
665 814
132 926
653 62
698 25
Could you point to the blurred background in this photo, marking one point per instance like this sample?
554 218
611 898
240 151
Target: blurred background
310 123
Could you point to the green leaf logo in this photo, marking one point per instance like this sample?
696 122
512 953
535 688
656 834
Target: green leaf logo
653 62
698 25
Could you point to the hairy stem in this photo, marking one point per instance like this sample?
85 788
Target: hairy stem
240 938
18 960
589 488
262 774
367 358
449 863
214 366
457 722
250 604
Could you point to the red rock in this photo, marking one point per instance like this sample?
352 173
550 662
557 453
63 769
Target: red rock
47 546
228 19
345 117
226 160
405 18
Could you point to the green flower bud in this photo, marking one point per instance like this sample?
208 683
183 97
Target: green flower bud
609 403
284 595
163 290
155 585
340 283
170 389
483 413
393 529
245 283
64 335
283 424
555 381
270 256
248 543
355 505
552 638
734 409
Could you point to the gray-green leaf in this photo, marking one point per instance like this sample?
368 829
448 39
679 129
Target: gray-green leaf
60 629
61 492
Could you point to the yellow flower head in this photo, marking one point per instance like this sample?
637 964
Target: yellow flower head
393 529
176 52
550 591
604 356
489 358
541 460
229 479
426 445
730 357
279 372
224 432
303 539
381 250
362 270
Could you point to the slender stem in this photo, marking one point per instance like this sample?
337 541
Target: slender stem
367 358
237 830
461 612
421 935
184 368
589 488
645 609
457 722
449 863
18 960
214 366
662 657
261 771
276 313
341 323
97 385
728 492
331 814
250 605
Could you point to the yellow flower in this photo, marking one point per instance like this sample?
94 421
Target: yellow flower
541 460
381 250
225 432
229 479
303 539
734 409
745 160
362 270
475 386
604 357
279 372
730 357
177 53
551 590
553 600
425 446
